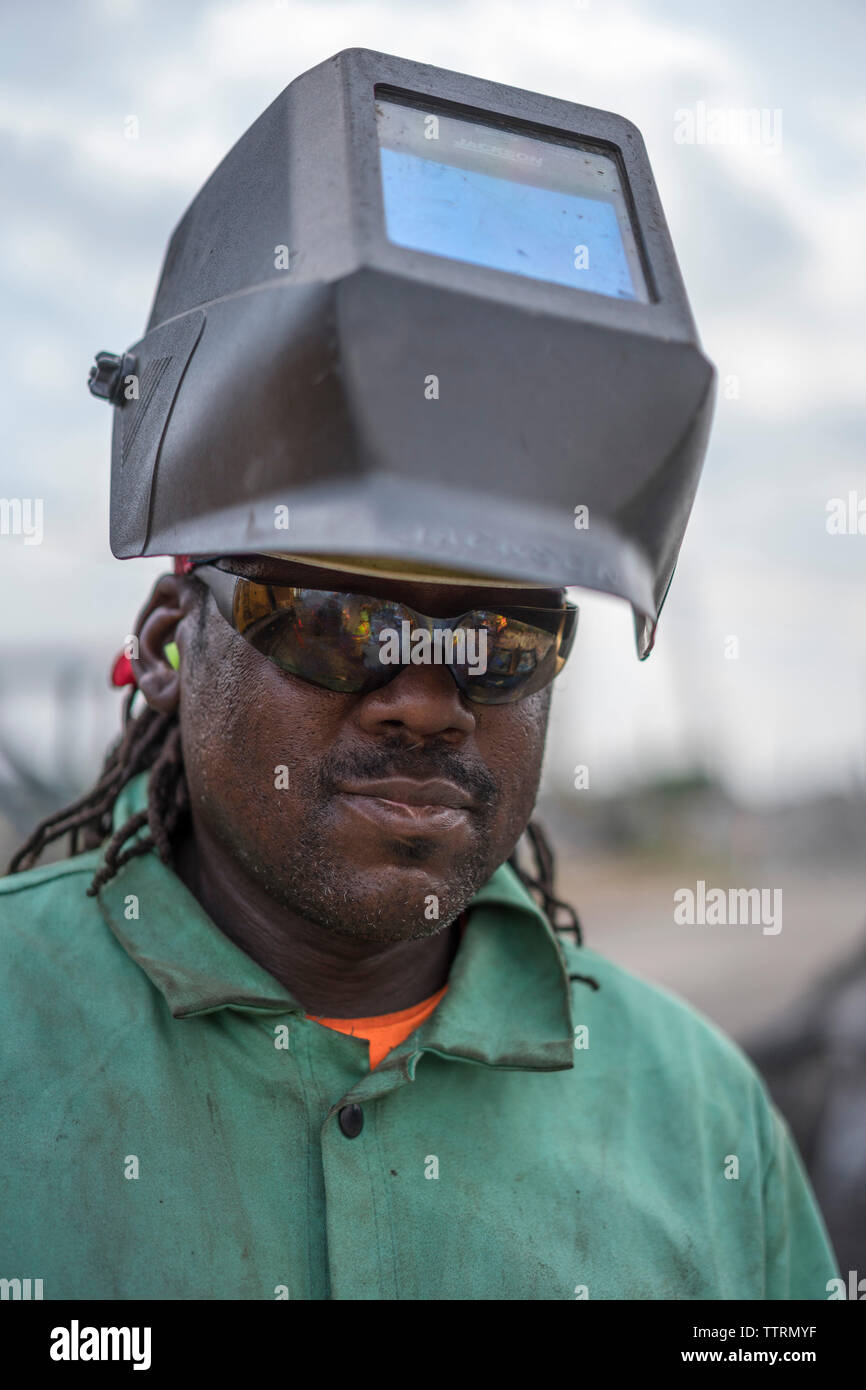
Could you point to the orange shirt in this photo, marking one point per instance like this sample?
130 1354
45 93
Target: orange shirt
385 1031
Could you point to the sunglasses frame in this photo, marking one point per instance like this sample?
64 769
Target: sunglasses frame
223 585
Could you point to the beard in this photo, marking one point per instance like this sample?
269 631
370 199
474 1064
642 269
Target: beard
415 887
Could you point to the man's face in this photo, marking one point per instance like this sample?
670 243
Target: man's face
376 815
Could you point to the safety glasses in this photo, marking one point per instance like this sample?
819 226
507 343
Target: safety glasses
354 643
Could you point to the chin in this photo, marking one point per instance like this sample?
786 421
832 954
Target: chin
399 905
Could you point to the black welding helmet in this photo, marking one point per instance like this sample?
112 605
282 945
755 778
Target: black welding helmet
420 318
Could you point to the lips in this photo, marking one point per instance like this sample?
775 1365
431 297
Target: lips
406 805
408 791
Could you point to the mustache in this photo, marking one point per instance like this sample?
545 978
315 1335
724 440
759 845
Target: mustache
395 760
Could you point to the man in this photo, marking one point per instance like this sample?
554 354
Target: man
292 1024
178 1123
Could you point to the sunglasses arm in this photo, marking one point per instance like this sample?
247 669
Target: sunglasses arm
222 585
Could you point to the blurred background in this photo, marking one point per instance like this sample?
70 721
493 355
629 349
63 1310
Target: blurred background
736 755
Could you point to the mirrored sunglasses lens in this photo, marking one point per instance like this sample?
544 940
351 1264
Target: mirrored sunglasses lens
513 659
329 639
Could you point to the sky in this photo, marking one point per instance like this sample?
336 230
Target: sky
759 671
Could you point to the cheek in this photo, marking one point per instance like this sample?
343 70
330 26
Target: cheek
242 721
511 742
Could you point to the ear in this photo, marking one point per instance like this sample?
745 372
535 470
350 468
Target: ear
157 625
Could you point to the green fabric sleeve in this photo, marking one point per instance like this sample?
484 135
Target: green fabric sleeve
799 1256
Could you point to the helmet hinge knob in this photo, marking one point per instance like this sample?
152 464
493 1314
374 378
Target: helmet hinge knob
106 379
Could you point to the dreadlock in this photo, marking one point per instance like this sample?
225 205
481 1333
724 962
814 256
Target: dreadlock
152 740
541 883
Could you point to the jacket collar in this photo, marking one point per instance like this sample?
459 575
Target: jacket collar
508 1003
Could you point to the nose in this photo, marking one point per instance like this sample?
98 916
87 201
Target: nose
424 701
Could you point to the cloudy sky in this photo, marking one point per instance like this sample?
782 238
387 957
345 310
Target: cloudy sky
770 236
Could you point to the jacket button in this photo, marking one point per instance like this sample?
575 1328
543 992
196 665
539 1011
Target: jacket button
351 1121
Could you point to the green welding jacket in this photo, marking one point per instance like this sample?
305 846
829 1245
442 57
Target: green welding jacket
170 1121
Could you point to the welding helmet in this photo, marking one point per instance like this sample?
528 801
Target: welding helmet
419 320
